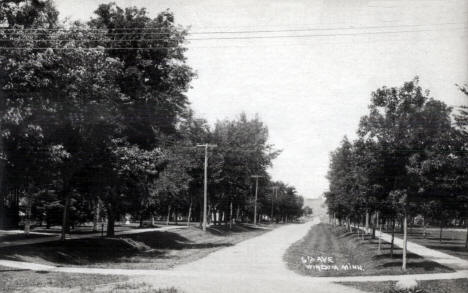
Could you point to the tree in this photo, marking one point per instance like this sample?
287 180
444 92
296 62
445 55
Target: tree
461 119
244 151
68 97
408 124
18 14
155 75
28 13
130 171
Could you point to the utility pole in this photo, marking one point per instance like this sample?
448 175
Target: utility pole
205 187
256 195
275 193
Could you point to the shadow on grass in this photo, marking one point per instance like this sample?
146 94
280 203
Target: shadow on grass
170 240
450 248
426 265
438 239
388 256
16 237
105 250
12 270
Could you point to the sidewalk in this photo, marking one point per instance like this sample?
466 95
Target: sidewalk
430 254
83 236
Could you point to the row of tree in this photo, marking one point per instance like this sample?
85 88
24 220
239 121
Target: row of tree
95 120
410 159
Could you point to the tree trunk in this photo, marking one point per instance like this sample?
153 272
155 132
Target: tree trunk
189 214
466 240
374 224
393 237
440 231
424 227
65 216
141 220
168 215
48 224
209 214
230 215
110 221
96 215
380 232
405 241
200 220
27 216
237 213
367 222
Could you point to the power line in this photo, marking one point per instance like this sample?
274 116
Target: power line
310 35
236 37
106 30
207 39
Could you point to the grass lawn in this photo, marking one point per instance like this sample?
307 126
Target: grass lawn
22 236
12 280
29 281
148 250
346 248
453 241
434 286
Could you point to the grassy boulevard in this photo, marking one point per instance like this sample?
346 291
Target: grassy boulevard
325 247
151 250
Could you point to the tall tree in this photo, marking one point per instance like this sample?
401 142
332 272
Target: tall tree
407 123
155 77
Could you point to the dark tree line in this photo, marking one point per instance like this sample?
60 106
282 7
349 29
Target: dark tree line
91 128
410 159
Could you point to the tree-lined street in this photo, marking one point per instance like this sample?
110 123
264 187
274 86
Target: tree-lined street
233 146
242 268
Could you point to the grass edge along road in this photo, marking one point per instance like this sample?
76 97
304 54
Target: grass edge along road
45 282
147 250
335 246
20 280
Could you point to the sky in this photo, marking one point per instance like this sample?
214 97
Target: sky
311 89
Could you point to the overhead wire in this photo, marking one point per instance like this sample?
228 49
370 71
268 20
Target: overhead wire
250 37
106 30
207 39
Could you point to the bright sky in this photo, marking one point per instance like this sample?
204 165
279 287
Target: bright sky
312 90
